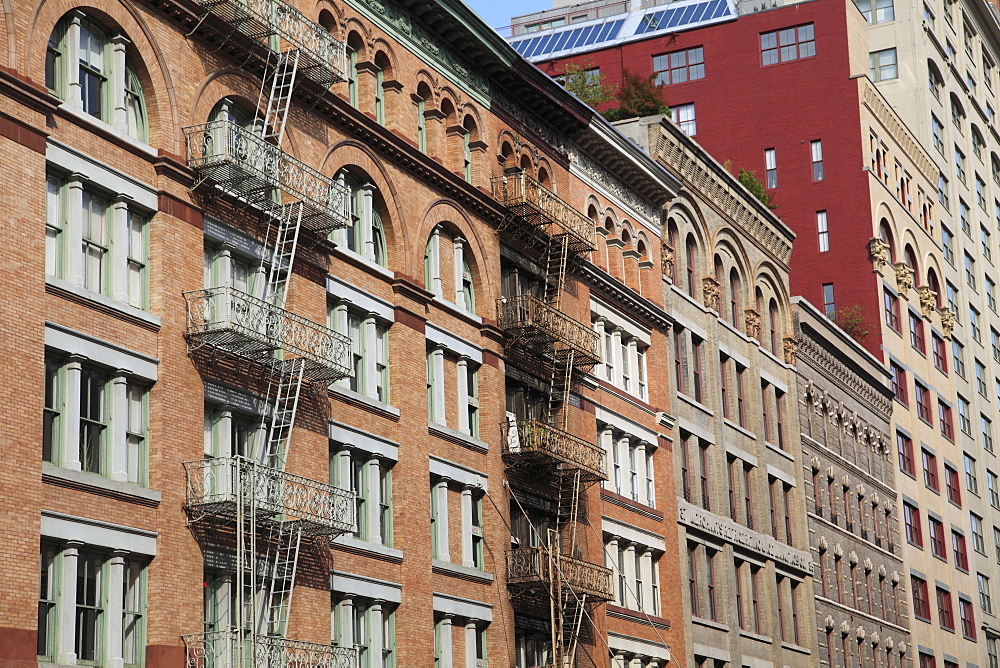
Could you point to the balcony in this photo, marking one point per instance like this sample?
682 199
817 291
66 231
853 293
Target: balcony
322 57
538 325
234 322
253 170
531 441
218 486
237 649
542 209
535 567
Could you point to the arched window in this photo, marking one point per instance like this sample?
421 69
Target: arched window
443 244
909 258
423 95
773 325
526 165
468 289
88 66
885 236
365 235
719 281
354 48
936 81
470 135
381 66
690 254
935 285
734 297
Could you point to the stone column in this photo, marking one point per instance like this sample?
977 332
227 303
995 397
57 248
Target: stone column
346 622
370 332
607 439
376 641
648 604
630 594
441 525
640 473
463 395
74 228
619 660
119 119
599 329
119 249
71 61
467 556
445 640
373 509
119 426
340 325
363 238
113 635
434 257
459 248
622 449
611 553
71 416
437 359
67 607
632 363
616 353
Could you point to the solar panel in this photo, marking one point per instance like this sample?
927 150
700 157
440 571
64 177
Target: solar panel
569 39
676 17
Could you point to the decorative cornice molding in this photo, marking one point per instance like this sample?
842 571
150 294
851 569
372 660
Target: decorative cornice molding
840 374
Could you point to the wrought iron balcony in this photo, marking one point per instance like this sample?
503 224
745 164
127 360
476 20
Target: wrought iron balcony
238 649
537 324
230 320
322 57
535 567
541 208
218 486
242 163
527 441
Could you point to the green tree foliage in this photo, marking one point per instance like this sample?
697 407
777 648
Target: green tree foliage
638 97
756 187
852 321
587 83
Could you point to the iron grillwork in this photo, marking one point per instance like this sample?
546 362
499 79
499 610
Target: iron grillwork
533 440
234 649
545 211
538 567
539 325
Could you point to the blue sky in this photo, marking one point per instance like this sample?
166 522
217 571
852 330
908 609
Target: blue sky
497 13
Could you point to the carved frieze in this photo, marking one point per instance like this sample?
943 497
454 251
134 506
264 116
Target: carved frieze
879 251
752 323
928 300
904 277
947 321
710 288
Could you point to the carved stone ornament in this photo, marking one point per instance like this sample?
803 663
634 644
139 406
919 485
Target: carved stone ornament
879 251
710 287
881 572
815 464
853 558
791 347
838 551
889 642
753 323
860 633
902 648
874 639
904 277
895 578
947 320
868 565
667 260
828 623
928 300
823 545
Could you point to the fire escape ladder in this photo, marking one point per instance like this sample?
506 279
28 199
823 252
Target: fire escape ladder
285 542
286 240
561 380
285 386
556 256
282 80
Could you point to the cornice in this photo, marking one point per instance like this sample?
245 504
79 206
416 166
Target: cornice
623 295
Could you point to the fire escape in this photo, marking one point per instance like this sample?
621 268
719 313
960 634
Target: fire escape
553 574
248 500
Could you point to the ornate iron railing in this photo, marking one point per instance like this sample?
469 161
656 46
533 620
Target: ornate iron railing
241 324
240 161
237 649
538 324
215 486
542 208
536 565
322 57
526 439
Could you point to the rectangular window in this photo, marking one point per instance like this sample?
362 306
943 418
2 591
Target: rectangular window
936 530
951 483
993 485
958 356
55 224
771 168
47 621
939 354
904 448
930 469
816 150
937 129
923 402
679 66
891 307
968 615
741 408
698 373
680 359
882 65
958 547
945 420
960 164
917 332
986 430
946 615
683 116
829 301
948 244
94 421
822 231
369 352
921 603
884 11
95 242
781 46
975 326
911 519
898 376
971 481
985 600
727 411
978 542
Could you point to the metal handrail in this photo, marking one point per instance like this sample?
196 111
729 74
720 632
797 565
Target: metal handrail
241 160
238 649
528 437
527 312
247 326
528 198
215 485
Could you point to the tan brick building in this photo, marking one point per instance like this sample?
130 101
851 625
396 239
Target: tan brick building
322 322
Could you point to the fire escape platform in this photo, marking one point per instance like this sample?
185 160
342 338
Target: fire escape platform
535 568
253 171
239 324
217 487
529 442
544 328
539 208
236 649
